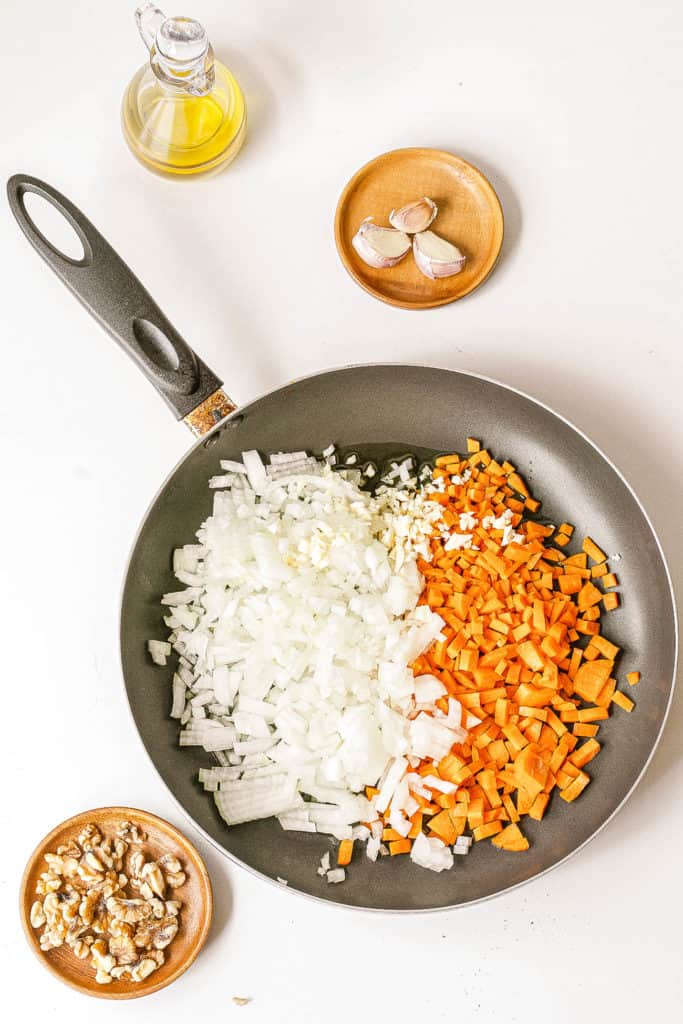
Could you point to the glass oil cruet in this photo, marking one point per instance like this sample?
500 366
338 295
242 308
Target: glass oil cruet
183 112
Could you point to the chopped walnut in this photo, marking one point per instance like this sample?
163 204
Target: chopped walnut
154 877
156 934
37 915
131 911
136 862
170 863
127 830
143 969
105 901
123 949
175 880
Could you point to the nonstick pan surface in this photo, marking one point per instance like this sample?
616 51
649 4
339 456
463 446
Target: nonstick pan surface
382 411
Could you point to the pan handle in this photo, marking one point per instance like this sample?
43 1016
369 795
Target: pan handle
110 291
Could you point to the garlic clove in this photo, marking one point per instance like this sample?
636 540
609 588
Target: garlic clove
435 256
380 247
415 216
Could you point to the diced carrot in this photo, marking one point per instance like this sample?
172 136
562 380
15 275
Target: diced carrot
583 729
633 678
516 481
569 584
487 830
449 767
580 559
511 839
607 649
534 696
574 663
548 740
416 825
510 807
512 655
514 735
475 813
593 551
585 753
345 852
400 846
501 712
604 698
541 714
611 601
442 826
556 724
521 631
623 701
588 596
575 787
530 654
538 807
530 771
591 677
593 714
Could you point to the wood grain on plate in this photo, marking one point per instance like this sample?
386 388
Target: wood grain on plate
195 895
470 216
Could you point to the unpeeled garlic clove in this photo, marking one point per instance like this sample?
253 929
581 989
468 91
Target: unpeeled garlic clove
380 247
415 216
435 256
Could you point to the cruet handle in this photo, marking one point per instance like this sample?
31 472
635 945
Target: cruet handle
149 20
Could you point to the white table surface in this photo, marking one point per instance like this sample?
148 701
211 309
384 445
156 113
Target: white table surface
576 119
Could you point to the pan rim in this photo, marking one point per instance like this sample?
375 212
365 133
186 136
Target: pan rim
500 892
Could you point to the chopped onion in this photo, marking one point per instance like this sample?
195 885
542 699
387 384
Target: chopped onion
336 875
159 651
428 689
256 471
294 636
431 853
254 799
372 848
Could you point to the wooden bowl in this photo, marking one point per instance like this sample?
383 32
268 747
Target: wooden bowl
195 915
470 216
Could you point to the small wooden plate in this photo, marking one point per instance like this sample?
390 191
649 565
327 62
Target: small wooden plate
470 216
195 915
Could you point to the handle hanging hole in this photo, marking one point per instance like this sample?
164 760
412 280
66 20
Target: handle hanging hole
155 344
53 226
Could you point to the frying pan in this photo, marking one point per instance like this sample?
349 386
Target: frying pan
379 411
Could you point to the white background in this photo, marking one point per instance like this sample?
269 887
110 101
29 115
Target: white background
576 119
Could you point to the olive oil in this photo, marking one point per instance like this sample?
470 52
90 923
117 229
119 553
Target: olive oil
184 112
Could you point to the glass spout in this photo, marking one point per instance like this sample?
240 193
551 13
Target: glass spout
180 53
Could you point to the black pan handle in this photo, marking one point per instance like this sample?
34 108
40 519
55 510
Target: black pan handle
108 288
